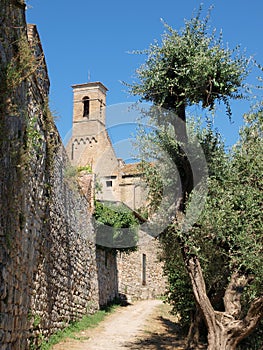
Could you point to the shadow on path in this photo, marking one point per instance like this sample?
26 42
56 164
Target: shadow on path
168 338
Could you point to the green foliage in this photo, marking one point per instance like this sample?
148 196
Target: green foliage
22 65
72 172
37 320
236 204
254 341
34 139
86 168
51 134
163 161
231 226
191 66
180 293
116 226
228 234
40 137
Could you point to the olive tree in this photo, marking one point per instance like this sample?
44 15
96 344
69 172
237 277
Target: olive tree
191 66
230 228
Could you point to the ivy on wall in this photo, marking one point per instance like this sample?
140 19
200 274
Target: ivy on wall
116 227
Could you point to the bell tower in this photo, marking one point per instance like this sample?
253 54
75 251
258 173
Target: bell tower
90 143
89 101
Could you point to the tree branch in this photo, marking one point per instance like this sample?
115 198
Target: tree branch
199 289
254 314
232 297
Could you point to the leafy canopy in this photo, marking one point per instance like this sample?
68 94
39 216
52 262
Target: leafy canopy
191 66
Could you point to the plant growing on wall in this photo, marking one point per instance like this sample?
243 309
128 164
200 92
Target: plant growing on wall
116 227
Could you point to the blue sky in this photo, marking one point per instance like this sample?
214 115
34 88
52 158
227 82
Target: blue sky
83 39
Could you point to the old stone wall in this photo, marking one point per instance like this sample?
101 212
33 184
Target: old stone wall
141 272
17 253
48 269
107 275
65 285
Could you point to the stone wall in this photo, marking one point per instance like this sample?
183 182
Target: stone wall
65 284
107 275
48 266
17 253
141 272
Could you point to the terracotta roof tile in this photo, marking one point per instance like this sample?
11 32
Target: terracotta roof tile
131 169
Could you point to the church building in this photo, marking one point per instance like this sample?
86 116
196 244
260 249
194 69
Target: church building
140 274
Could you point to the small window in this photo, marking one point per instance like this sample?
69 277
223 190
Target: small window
72 151
85 106
108 183
143 269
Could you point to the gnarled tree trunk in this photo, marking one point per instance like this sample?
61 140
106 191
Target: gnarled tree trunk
225 329
193 335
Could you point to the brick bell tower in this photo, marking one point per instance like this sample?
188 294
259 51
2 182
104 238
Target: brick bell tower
90 143
89 101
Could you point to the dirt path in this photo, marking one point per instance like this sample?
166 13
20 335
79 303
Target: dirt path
143 325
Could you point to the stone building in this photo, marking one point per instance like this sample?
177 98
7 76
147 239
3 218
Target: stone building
91 146
140 273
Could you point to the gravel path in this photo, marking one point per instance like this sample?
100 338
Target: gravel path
122 327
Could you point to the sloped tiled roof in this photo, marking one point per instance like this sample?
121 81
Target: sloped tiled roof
131 169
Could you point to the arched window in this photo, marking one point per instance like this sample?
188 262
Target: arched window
85 101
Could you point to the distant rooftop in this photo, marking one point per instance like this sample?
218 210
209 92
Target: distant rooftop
91 84
131 169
